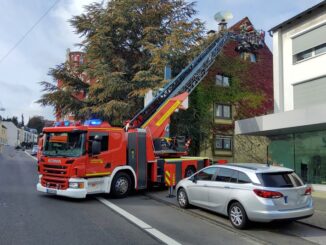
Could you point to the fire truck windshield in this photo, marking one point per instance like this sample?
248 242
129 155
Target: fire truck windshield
64 144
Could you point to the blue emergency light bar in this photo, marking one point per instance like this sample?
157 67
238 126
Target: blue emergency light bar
93 122
57 124
66 123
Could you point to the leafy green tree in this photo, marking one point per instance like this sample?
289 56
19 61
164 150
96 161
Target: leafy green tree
127 45
36 122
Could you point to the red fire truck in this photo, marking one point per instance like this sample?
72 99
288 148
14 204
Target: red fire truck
78 159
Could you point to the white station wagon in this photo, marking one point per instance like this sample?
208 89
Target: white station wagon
248 192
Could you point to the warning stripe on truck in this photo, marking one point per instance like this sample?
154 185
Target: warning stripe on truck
167 178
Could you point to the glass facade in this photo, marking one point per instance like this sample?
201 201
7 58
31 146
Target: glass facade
303 152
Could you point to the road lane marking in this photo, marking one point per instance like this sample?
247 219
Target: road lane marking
30 155
146 227
164 238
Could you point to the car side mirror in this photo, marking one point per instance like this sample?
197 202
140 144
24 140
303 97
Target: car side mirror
96 147
194 178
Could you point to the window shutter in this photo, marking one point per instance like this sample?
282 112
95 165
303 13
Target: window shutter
309 40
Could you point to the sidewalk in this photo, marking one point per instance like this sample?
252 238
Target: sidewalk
317 220
319 217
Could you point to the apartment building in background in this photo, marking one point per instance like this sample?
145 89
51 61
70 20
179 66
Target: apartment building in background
75 59
3 136
12 133
258 74
297 129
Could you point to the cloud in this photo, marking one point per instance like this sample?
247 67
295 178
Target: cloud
46 45
14 88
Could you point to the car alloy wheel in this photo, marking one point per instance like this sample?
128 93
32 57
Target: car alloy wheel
238 216
182 198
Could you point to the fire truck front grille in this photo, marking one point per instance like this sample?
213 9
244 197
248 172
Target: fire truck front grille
55 170
56 183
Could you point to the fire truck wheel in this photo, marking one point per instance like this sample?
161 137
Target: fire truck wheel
190 171
121 185
182 198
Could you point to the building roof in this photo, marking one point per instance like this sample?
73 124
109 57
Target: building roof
9 124
236 26
299 16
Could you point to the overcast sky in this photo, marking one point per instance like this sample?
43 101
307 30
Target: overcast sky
25 57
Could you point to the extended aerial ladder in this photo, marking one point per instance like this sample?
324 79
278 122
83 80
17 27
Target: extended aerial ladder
155 115
76 160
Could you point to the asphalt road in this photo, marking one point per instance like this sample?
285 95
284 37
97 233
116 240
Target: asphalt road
29 217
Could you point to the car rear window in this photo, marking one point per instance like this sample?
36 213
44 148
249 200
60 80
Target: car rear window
280 179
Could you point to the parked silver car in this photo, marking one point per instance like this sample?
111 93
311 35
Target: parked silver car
247 192
34 150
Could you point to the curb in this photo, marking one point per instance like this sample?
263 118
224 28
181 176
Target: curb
214 220
311 225
208 219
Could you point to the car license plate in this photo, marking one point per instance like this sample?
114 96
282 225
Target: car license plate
51 191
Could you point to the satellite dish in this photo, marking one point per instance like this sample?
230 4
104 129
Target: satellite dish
223 16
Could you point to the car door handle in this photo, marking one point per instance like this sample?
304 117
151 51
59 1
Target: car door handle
227 187
205 185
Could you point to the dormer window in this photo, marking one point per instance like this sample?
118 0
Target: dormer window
248 56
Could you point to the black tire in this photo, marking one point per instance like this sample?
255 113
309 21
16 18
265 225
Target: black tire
182 198
121 185
189 171
238 216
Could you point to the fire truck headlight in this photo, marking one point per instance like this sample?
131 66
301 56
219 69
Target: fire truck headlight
76 185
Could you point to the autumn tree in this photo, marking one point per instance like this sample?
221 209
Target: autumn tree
197 121
36 122
127 45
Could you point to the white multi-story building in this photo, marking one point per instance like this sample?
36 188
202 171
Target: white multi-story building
297 129
12 133
20 136
3 136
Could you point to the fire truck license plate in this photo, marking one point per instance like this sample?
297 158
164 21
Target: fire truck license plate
51 191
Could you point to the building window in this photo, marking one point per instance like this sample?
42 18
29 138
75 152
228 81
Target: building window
223 111
223 142
104 138
248 56
309 44
222 81
309 53
320 49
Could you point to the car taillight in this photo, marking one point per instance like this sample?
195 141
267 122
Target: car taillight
268 194
308 191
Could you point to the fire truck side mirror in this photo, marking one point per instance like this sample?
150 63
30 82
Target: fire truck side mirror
96 147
